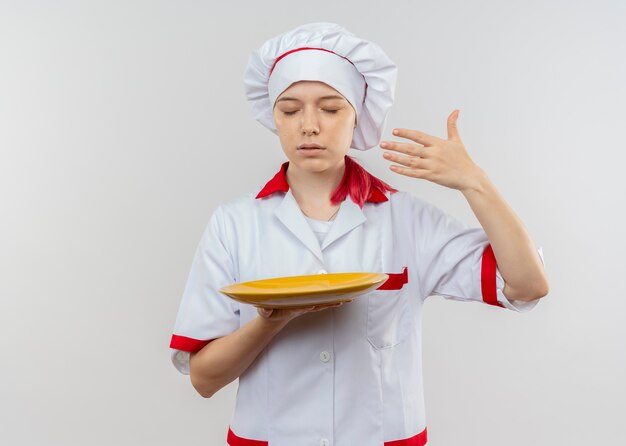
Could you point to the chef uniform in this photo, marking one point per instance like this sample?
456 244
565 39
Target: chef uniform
350 375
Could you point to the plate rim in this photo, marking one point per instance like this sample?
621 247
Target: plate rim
290 293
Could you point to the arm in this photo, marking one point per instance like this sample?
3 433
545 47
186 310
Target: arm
446 162
205 314
224 359
517 259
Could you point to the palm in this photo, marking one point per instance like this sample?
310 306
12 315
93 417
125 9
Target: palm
287 314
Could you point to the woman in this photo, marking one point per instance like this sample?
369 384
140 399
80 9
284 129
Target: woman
348 374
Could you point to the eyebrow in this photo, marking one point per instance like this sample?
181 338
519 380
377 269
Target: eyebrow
321 99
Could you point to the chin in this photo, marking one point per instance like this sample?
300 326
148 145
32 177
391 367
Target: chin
312 164
315 163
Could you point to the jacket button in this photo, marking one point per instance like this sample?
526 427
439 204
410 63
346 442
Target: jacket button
322 271
325 356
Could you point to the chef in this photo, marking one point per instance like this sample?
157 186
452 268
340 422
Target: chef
348 374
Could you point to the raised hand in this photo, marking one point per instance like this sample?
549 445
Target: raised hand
445 162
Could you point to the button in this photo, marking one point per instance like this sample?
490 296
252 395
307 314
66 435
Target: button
325 356
322 271
324 442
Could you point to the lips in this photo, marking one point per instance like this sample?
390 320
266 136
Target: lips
310 146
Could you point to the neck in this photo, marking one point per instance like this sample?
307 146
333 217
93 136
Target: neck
314 188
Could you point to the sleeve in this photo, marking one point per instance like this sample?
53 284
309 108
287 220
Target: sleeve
457 262
205 314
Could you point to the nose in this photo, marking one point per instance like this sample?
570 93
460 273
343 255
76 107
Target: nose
310 124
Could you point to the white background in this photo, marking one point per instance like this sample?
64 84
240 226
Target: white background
123 124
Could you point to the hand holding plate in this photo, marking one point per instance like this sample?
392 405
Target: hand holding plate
287 314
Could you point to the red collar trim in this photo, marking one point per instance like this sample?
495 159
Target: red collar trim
279 184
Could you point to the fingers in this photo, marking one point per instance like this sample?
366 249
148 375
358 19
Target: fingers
419 137
422 138
265 312
408 161
335 305
413 172
453 131
404 147
324 307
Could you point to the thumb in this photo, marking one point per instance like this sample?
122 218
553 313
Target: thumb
453 131
265 312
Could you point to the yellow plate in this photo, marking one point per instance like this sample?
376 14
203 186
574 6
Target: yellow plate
299 291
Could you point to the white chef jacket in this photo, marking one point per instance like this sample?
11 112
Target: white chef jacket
345 376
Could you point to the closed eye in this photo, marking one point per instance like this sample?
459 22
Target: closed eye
293 112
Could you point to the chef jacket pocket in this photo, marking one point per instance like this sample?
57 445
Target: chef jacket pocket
388 312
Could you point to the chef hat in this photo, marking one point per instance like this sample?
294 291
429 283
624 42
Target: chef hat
326 52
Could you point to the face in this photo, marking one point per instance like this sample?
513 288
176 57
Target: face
312 112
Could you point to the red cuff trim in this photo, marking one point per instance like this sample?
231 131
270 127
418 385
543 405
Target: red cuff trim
234 440
187 344
488 277
396 280
418 440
